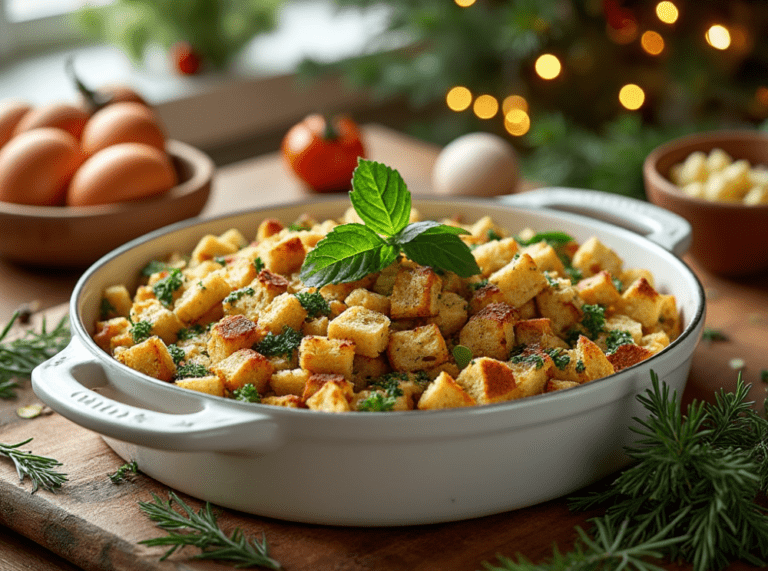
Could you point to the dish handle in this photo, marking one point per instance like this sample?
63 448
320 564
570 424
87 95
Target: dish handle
62 383
668 230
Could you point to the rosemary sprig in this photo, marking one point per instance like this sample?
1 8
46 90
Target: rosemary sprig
124 472
200 529
20 356
40 469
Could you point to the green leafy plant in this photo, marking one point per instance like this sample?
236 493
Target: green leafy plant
40 469
19 356
200 529
216 29
381 199
124 472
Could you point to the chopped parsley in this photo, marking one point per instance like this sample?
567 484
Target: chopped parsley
477 285
220 260
390 384
618 284
238 294
554 239
376 402
191 370
165 287
284 344
177 353
153 267
299 227
552 282
258 264
493 235
247 393
141 331
314 303
580 366
710 334
531 359
616 339
106 308
186 333
559 357
593 320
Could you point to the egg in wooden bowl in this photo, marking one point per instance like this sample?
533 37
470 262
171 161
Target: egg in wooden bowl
77 232
718 181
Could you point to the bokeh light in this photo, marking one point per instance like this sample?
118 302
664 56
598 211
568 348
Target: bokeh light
548 66
486 106
458 98
632 96
514 102
667 12
517 122
718 37
652 42
623 35
464 3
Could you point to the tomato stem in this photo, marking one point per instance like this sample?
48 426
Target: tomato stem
330 133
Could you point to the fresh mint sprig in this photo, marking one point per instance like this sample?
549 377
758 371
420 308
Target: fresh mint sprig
352 251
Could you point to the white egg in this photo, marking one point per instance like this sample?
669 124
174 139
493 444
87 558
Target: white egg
476 164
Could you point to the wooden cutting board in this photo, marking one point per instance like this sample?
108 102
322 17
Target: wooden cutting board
97 525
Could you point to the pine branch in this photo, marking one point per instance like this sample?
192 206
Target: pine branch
200 529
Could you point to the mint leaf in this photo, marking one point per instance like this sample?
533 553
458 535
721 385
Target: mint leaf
348 253
442 248
380 197
414 229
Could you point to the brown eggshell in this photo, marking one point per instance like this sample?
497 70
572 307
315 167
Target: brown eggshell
126 122
122 172
70 118
37 165
11 112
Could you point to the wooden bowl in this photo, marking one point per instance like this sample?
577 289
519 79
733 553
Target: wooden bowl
729 239
75 237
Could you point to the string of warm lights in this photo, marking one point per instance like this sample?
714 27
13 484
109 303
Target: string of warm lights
622 28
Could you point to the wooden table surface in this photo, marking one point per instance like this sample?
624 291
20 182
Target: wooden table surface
92 524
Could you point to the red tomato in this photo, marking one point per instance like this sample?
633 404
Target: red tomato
324 155
185 58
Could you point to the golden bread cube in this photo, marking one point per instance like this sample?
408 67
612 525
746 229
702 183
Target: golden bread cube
494 255
283 311
243 367
491 331
230 334
593 257
327 356
368 299
107 330
587 363
627 355
235 237
150 357
209 247
538 331
417 349
642 303
415 293
283 256
561 304
165 323
556 385
115 302
287 401
488 380
316 326
452 313
368 329
255 296
444 392
599 289
546 258
211 384
519 281
267 228
332 393
201 296
289 382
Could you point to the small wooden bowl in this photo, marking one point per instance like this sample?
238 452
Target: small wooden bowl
729 239
75 237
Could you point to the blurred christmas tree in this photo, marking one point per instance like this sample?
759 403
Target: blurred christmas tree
583 88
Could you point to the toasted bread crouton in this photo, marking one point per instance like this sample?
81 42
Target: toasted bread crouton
415 293
484 296
669 317
655 342
417 349
561 304
599 289
546 258
165 324
287 401
556 385
627 355
368 329
531 375
587 363
209 247
491 331
593 256
235 237
444 392
452 313
289 382
150 357
283 311
621 322
487 380
642 303
327 356
629 276
365 369
282 255
328 393
239 273
210 384
202 296
145 292
538 331
267 228
494 255
316 326
252 299
115 302
231 334
243 367
520 280
369 300
108 330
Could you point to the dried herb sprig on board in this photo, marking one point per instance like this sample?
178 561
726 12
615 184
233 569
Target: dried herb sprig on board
19 356
40 469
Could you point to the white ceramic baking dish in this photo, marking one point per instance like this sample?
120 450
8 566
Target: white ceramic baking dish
396 468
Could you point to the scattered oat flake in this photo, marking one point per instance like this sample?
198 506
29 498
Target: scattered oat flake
30 411
737 364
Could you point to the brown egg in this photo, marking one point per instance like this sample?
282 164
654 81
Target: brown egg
70 118
122 172
125 122
37 165
11 112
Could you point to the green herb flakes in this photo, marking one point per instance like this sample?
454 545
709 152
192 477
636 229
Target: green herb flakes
314 303
283 344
